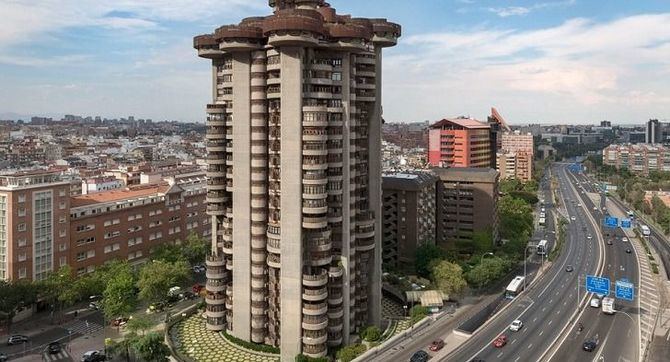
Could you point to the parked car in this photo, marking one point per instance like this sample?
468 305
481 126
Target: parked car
156 307
500 342
516 326
624 239
3 357
16 339
93 356
419 356
436 345
120 322
196 288
54 348
628 251
94 305
569 268
188 295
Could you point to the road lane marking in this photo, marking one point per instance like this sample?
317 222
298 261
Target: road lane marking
534 319
541 332
513 341
500 354
551 321
530 346
517 359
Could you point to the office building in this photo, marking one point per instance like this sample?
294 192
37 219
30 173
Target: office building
467 200
459 142
408 216
638 158
294 169
516 157
653 132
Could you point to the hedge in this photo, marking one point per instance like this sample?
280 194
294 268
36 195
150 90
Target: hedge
251 345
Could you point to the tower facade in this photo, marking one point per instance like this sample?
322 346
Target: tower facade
294 176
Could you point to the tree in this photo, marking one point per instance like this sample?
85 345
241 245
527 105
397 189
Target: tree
196 249
59 289
157 277
516 218
489 270
371 334
139 325
349 353
168 253
425 254
151 347
119 296
14 296
448 277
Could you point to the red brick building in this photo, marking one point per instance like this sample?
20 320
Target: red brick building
459 142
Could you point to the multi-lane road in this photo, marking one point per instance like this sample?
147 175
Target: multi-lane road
547 307
618 334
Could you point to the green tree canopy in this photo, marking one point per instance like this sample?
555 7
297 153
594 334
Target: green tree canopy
448 277
14 295
119 297
425 254
349 353
487 271
151 348
157 277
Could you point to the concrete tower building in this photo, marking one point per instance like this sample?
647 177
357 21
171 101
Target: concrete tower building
294 176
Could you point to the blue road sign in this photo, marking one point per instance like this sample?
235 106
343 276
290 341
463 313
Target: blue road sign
598 285
611 222
624 290
625 223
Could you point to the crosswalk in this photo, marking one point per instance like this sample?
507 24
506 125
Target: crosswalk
83 327
60 356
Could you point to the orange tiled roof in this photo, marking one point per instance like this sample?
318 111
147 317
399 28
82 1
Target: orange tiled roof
118 195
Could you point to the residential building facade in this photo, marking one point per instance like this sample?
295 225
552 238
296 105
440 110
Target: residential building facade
638 158
294 176
460 142
515 159
408 216
467 202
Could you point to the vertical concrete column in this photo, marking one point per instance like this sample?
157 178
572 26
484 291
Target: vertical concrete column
291 202
375 201
241 196
346 197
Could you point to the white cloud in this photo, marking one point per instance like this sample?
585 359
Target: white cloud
510 11
580 69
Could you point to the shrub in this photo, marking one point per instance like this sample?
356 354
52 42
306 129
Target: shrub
303 358
251 345
349 353
418 313
371 334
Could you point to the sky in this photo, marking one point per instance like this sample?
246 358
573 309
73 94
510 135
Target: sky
553 61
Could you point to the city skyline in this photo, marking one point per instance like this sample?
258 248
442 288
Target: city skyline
135 58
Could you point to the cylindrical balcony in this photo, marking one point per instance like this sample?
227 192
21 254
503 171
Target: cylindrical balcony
315 337
274 246
318 206
315 280
214 285
314 222
215 261
215 298
217 272
335 298
314 309
365 244
215 311
320 258
215 323
314 295
336 312
335 271
314 351
274 260
366 231
314 323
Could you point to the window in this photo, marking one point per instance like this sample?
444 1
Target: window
112 222
90 268
62 247
22 272
22 256
82 228
62 261
21 227
62 205
112 234
135 241
84 241
134 217
81 256
153 224
22 198
61 193
62 219
22 242
336 76
62 233
113 247
22 211
133 229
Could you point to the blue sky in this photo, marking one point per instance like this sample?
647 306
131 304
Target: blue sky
574 61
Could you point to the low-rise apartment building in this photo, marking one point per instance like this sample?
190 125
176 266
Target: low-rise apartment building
638 158
409 201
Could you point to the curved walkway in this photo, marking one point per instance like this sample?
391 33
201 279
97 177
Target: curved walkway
192 339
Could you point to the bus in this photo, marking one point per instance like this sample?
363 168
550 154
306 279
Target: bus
542 247
645 230
542 221
515 287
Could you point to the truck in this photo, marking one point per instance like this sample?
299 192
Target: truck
608 305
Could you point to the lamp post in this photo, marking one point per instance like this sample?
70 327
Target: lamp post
405 308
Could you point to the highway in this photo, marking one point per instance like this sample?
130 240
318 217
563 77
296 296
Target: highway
618 334
546 308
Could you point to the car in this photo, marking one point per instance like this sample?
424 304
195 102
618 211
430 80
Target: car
628 251
156 307
54 348
16 339
590 344
569 268
595 303
188 295
3 357
595 208
120 322
436 345
93 356
516 326
500 342
419 356
589 237
196 288
94 305
609 242
573 218
624 239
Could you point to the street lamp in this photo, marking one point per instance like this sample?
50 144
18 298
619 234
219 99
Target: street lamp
405 308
